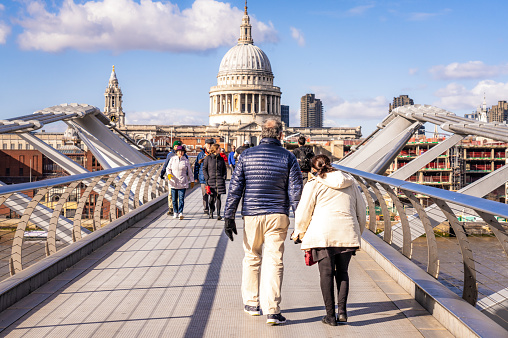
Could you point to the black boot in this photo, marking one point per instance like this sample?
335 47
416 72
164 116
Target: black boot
330 320
210 216
342 318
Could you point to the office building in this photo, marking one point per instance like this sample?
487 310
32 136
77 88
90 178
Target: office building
284 114
311 112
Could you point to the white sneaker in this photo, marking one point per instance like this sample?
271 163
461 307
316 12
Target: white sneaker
181 216
175 215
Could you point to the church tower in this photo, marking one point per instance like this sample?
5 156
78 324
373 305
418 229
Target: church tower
113 108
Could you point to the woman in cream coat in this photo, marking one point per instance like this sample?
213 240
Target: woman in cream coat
329 221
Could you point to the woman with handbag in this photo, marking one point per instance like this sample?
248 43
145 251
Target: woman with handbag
329 221
179 173
215 172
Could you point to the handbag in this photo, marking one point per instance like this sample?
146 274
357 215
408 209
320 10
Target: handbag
208 191
309 261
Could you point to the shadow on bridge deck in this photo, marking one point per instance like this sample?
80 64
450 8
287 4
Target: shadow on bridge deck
181 278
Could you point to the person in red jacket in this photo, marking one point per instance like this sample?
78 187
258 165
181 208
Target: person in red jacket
224 156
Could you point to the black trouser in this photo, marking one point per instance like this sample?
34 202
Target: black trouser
335 267
214 200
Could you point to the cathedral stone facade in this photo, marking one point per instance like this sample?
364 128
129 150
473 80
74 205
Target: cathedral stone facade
242 99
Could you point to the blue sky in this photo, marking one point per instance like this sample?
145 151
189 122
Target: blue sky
354 55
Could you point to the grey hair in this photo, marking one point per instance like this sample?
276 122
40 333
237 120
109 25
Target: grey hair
271 128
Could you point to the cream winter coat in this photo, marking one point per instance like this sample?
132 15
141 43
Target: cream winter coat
181 170
331 212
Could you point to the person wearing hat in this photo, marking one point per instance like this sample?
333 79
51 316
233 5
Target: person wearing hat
179 173
240 149
198 172
163 172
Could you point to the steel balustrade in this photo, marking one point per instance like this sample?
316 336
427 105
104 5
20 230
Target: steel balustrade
485 209
139 178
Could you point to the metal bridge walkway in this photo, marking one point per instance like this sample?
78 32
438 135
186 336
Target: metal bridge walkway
181 278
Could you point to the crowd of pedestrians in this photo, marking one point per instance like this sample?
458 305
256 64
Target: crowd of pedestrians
269 181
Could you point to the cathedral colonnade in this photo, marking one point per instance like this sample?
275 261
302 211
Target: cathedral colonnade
227 103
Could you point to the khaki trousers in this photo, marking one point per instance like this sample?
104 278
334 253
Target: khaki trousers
270 230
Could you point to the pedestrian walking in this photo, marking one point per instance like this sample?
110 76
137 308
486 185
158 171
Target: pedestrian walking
215 172
179 173
198 172
171 153
329 222
304 154
231 159
241 149
270 181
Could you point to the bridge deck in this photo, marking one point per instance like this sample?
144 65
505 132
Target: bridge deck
178 278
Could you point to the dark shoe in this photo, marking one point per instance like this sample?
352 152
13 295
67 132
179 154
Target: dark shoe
219 218
329 320
206 212
210 216
252 310
170 213
342 318
275 319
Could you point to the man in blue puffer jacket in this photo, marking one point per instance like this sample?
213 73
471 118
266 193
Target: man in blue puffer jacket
269 179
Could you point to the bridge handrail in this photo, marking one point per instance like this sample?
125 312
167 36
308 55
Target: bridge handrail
477 203
124 188
51 182
445 201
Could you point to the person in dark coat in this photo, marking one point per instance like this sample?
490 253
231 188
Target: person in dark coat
198 172
215 172
304 155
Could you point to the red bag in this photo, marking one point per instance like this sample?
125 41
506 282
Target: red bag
208 191
308 258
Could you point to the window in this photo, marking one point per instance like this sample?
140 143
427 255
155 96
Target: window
13 146
4 146
20 146
20 171
7 171
27 146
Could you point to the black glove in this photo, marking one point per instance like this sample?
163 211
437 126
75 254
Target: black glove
297 241
230 227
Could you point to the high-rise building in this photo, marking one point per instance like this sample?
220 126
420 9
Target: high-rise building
284 114
400 101
499 113
311 112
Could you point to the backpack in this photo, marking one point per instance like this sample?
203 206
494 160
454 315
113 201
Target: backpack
303 155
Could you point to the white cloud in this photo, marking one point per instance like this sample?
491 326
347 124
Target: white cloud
4 32
121 25
370 109
457 97
298 36
4 28
340 110
423 16
467 70
413 71
359 10
167 117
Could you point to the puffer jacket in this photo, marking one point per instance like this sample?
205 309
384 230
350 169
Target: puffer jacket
331 213
268 178
181 170
214 170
